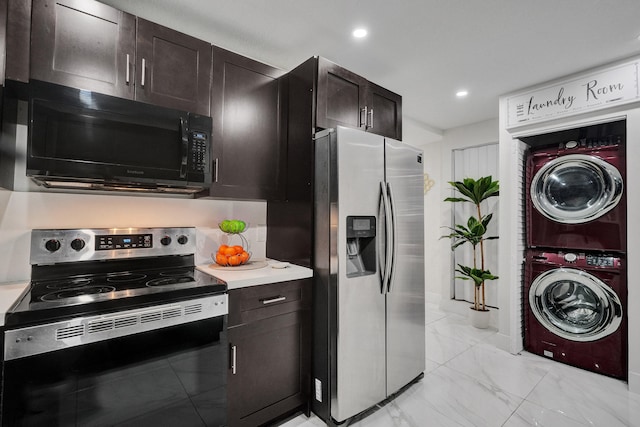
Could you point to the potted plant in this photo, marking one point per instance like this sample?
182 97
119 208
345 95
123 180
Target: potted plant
474 233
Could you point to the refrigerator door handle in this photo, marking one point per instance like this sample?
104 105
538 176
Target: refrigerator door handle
394 240
382 260
387 249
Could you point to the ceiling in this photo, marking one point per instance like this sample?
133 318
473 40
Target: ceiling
425 50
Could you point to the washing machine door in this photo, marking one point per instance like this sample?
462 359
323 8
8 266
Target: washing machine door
575 305
576 188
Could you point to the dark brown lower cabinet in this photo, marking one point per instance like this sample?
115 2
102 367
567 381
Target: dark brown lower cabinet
269 352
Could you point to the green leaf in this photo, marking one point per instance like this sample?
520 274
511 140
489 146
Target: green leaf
477 275
475 191
455 199
486 219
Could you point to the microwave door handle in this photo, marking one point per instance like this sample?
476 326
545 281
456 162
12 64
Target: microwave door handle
185 148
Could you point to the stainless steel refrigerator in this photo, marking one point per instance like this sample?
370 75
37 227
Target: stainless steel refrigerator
369 324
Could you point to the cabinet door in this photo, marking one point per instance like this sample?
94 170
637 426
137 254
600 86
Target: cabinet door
83 44
173 69
269 368
249 148
384 113
3 39
340 97
18 39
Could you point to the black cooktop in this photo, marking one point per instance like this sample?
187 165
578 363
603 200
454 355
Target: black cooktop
103 287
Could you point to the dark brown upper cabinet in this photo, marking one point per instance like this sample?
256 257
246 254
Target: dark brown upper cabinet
18 39
384 112
341 94
89 45
172 68
83 44
347 99
249 147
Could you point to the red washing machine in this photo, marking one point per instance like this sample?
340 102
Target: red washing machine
575 195
575 309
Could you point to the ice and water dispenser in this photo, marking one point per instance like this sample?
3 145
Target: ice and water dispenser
361 245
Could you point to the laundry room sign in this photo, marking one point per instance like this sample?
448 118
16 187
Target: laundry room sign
594 91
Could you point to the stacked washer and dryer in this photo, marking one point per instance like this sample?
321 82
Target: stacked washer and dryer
575 283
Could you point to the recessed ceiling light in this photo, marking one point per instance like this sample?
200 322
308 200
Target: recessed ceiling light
359 33
462 93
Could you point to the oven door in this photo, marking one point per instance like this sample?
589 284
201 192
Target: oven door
169 376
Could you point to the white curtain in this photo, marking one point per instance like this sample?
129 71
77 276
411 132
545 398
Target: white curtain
476 162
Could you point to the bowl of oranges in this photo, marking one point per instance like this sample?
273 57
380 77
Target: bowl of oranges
231 256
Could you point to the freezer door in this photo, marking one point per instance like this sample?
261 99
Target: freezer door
405 300
359 369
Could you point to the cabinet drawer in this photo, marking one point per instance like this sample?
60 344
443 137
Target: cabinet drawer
254 303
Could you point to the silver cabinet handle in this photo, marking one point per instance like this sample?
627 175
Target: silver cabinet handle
126 77
215 168
272 300
371 117
234 353
363 112
144 69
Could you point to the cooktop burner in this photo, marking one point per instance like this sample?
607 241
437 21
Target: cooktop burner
125 277
76 292
68 283
162 281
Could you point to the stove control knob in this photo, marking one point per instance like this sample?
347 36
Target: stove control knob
166 240
570 257
183 239
52 245
77 244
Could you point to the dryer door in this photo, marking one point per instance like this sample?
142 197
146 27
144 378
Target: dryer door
576 188
575 305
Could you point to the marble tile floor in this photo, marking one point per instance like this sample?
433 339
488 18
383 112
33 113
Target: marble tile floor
470 382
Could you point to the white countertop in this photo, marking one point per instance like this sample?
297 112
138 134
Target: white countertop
9 293
236 277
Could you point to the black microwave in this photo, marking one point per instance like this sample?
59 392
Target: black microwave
84 140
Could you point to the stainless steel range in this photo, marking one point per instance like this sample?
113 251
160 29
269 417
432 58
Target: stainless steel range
116 326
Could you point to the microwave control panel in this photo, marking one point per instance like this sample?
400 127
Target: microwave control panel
199 151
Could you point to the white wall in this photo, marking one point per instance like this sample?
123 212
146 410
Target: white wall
482 133
22 211
432 230
427 139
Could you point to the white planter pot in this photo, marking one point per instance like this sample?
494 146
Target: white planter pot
479 319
